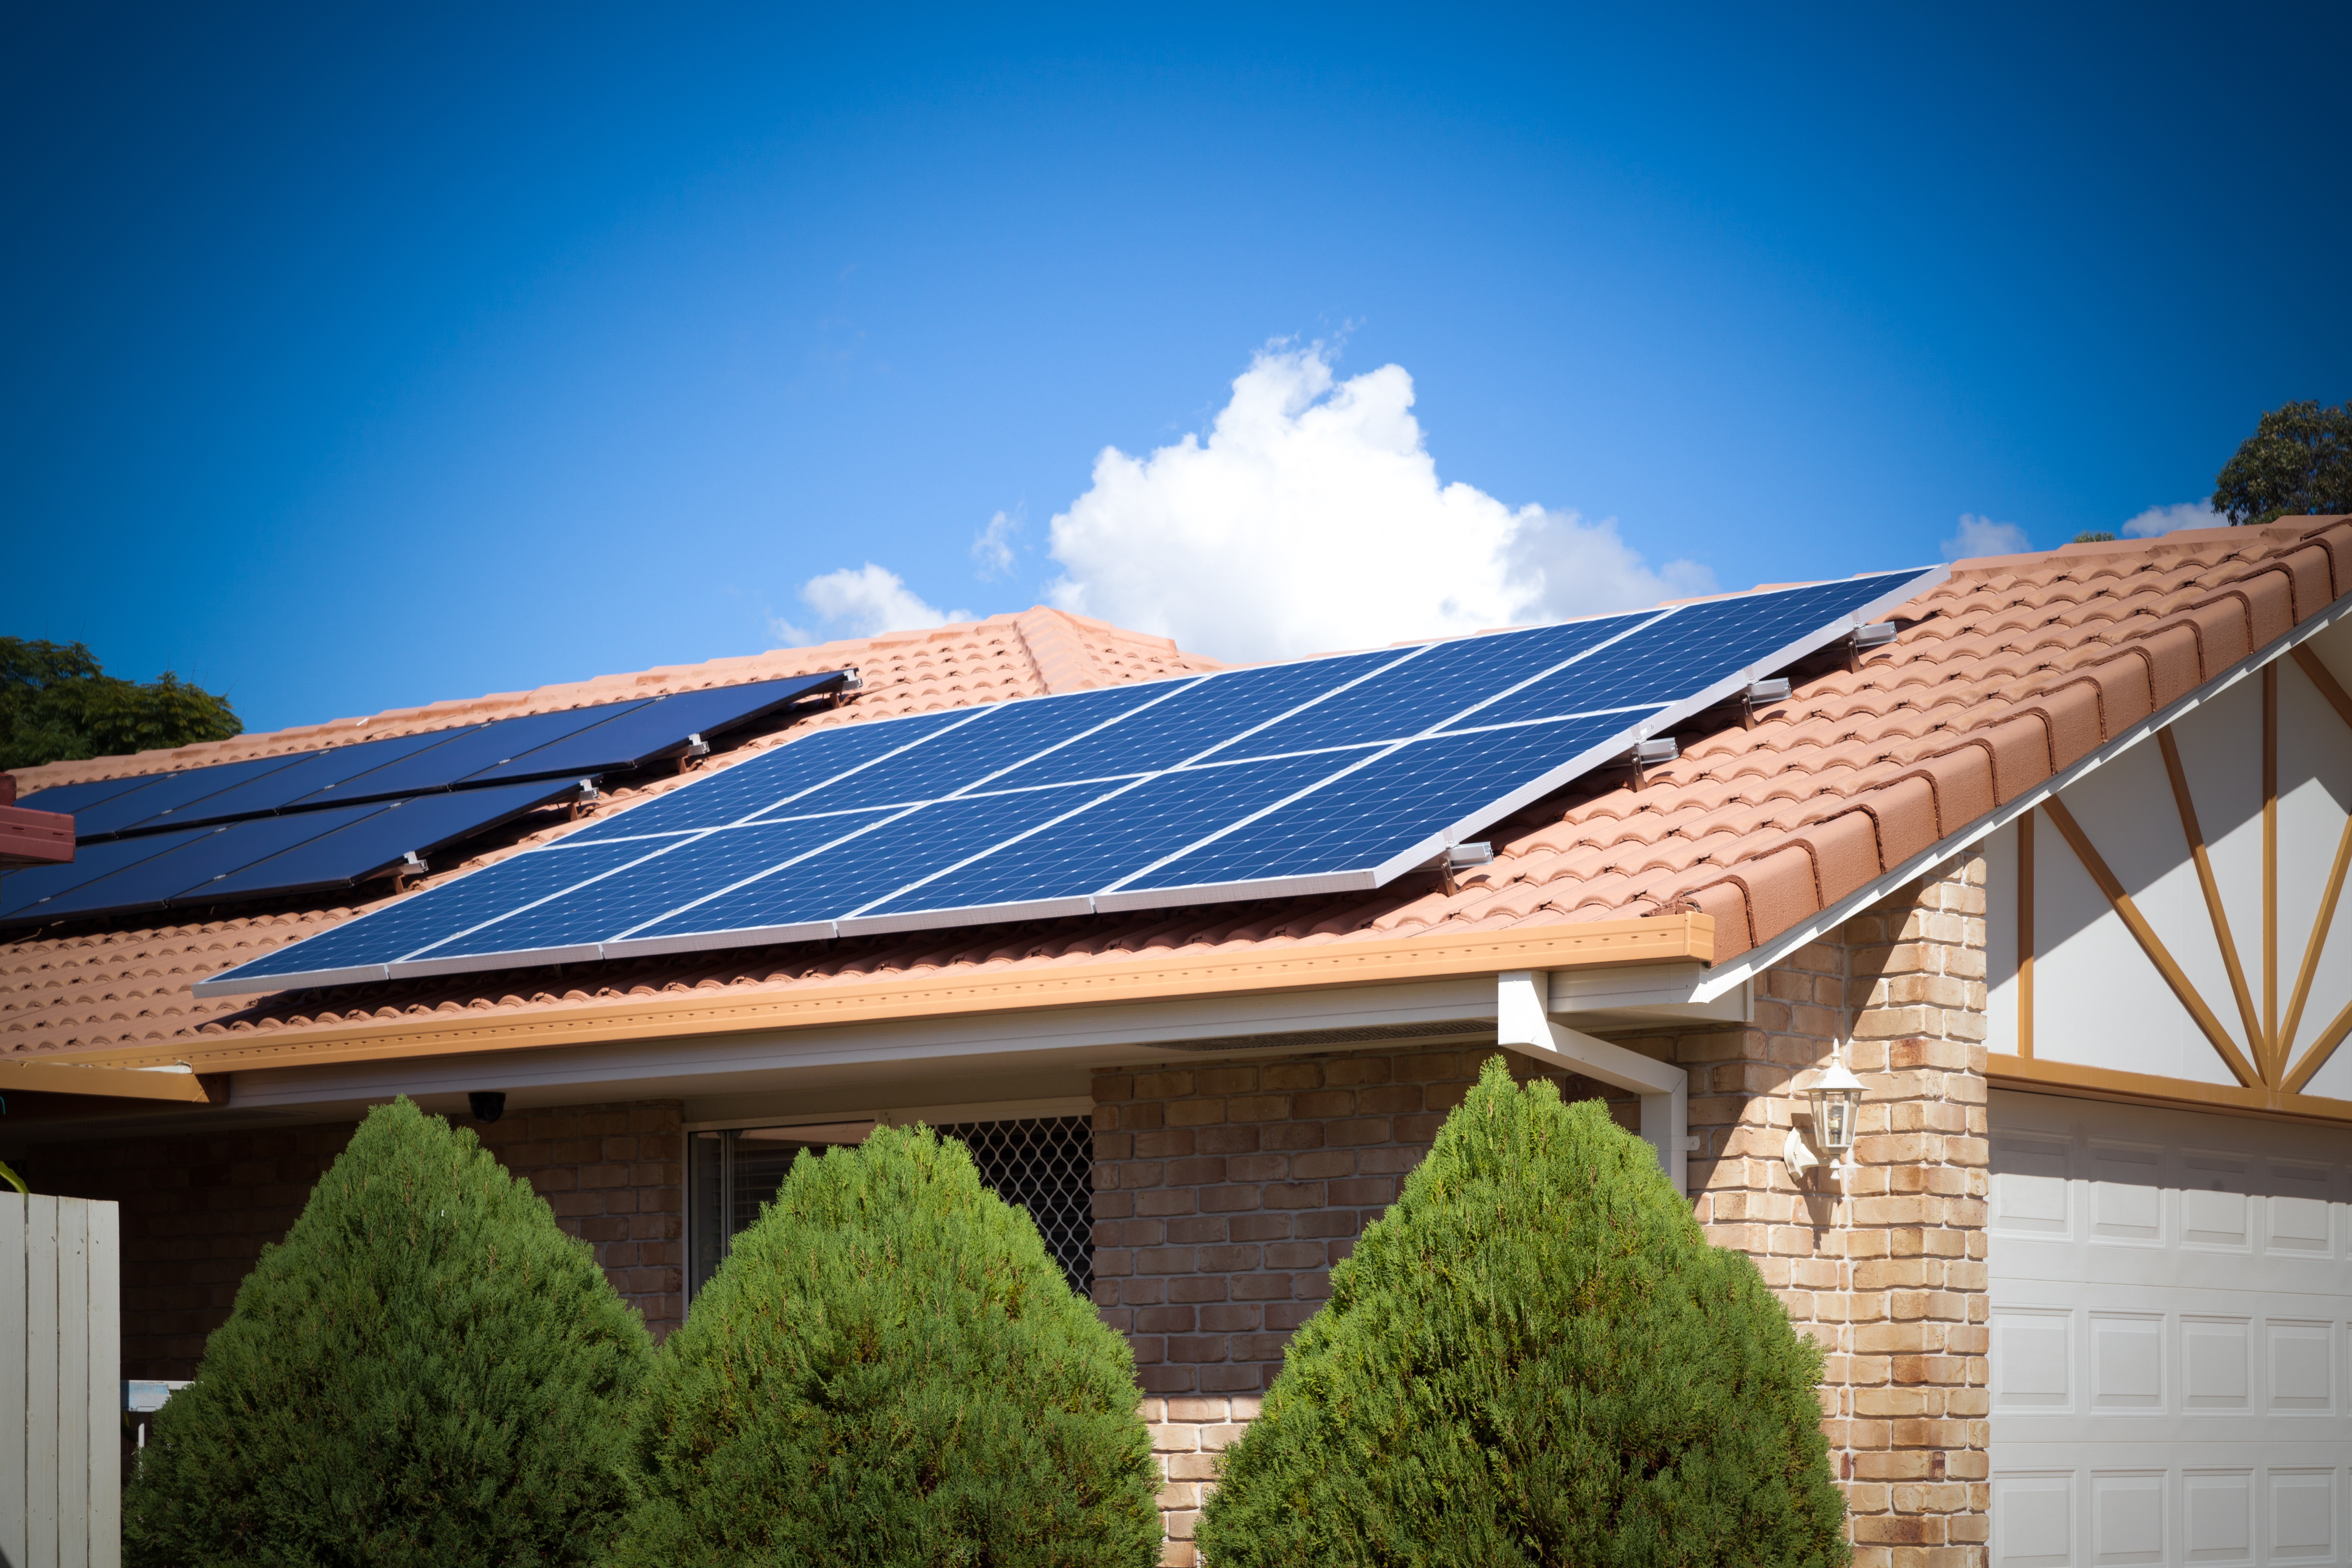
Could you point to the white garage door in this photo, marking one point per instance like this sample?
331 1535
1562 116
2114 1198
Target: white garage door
2169 1352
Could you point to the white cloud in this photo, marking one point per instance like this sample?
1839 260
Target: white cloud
1312 518
1983 536
992 548
864 602
2159 519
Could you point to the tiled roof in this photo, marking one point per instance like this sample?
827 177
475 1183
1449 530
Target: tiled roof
2013 669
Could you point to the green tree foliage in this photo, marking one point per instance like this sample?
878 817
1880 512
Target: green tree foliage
889 1369
2092 536
426 1372
1535 1357
2298 461
58 705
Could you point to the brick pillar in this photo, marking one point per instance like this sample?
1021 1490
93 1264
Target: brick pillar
1918 1395
1887 1274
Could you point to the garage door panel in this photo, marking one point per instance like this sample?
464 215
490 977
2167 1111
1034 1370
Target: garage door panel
2125 1506
2170 1364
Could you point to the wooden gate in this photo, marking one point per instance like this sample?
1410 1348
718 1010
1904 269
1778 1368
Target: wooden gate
60 1384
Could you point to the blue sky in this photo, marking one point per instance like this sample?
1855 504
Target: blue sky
363 360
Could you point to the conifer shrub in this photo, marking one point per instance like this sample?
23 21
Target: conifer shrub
890 1368
425 1371
1535 1358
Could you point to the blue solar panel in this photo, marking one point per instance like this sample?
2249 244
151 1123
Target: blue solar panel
965 757
1695 647
1447 678
640 733
875 864
1389 805
1313 776
770 780
386 935
1119 835
1205 715
377 839
203 862
677 876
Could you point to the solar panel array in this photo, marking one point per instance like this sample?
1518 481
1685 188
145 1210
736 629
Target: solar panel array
313 821
1319 776
575 743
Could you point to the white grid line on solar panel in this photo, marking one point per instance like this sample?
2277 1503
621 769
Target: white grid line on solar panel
749 774
413 957
969 791
1085 804
1577 658
1206 760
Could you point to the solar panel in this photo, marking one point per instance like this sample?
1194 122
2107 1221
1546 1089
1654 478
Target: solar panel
1316 776
641 733
72 798
318 778
172 800
34 885
375 842
611 737
200 858
263 857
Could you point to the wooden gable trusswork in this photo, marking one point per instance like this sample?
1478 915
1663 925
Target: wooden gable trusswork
2161 928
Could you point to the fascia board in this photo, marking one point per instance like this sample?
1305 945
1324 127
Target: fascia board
1103 1035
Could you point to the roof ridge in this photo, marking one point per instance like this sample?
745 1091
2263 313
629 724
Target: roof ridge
1057 650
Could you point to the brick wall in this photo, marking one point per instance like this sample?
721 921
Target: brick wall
1225 1194
615 1176
199 1209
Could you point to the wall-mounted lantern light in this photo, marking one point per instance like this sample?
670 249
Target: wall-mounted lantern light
1836 1097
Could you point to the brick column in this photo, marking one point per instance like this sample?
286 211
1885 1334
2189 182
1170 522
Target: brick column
1888 1273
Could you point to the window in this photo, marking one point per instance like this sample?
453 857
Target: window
1043 1164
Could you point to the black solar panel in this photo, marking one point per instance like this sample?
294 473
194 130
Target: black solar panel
1323 776
577 743
639 733
262 857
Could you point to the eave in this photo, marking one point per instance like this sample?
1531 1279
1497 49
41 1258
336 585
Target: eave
1684 938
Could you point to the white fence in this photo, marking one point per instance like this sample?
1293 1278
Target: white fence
60 1384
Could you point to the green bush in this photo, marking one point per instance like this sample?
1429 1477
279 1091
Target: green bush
1535 1357
426 1371
889 1369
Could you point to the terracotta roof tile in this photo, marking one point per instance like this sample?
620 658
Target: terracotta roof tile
2012 669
